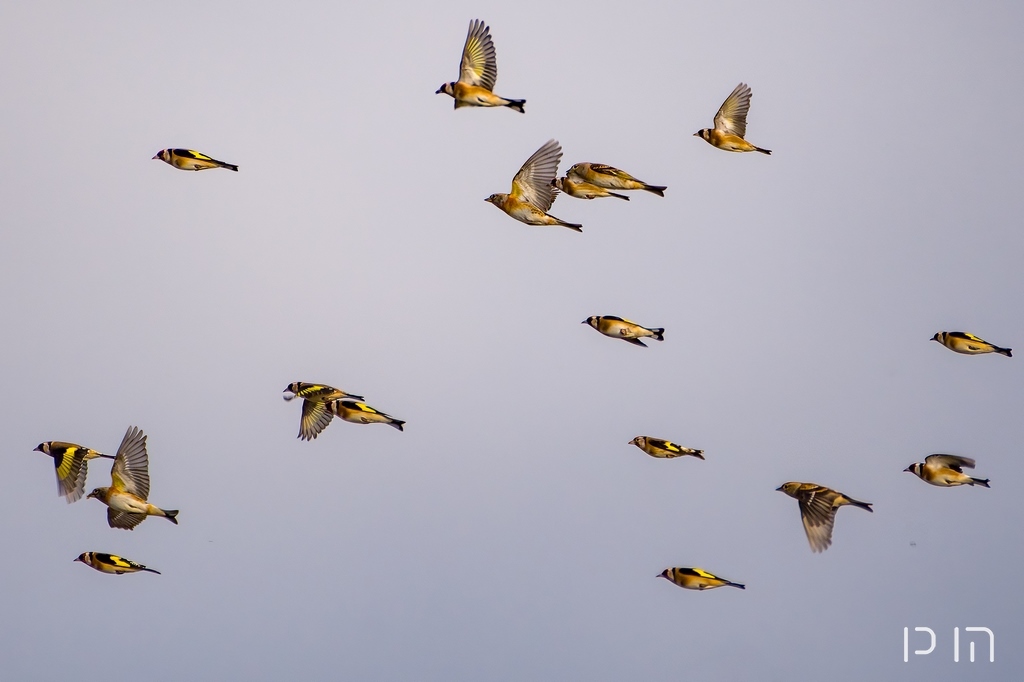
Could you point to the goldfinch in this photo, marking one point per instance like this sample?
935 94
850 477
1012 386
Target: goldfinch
110 563
968 344
818 506
608 177
532 192
478 73
191 160
315 397
361 413
946 471
696 579
70 461
664 449
126 497
583 190
731 124
618 328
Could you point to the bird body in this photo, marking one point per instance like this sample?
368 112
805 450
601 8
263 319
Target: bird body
969 344
111 563
664 449
946 471
126 497
731 124
532 189
818 506
619 328
583 190
70 461
315 398
696 579
609 177
361 413
478 72
191 160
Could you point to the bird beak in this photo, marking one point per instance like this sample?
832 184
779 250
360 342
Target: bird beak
910 468
696 134
585 322
154 158
439 91
779 489
38 448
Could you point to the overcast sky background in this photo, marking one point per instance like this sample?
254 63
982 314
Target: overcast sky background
510 533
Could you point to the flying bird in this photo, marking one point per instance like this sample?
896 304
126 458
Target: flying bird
731 124
315 399
126 497
191 160
946 471
478 73
968 344
618 328
696 579
532 191
70 461
818 506
608 177
583 190
664 449
361 413
110 563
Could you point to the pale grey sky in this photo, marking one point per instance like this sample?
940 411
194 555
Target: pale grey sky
510 533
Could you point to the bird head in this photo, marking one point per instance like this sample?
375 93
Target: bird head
42 447
638 441
704 133
98 493
936 337
496 199
666 574
292 388
447 88
788 488
163 155
556 183
592 321
914 468
81 557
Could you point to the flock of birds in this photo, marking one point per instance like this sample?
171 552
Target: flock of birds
534 189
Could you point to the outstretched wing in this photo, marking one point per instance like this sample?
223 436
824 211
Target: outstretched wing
126 520
315 418
130 472
732 117
819 517
950 461
479 61
71 471
532 183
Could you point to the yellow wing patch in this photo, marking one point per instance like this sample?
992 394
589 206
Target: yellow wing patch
118 561
704 574
197 155
66 462
363 407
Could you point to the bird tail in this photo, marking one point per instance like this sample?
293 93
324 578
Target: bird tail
699 454
742 587
517 104
397 423
763 151
857 503
229 166
571 226
1003 351
150 570
983 482
659 334
172 515
618 196
105 456
654 189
